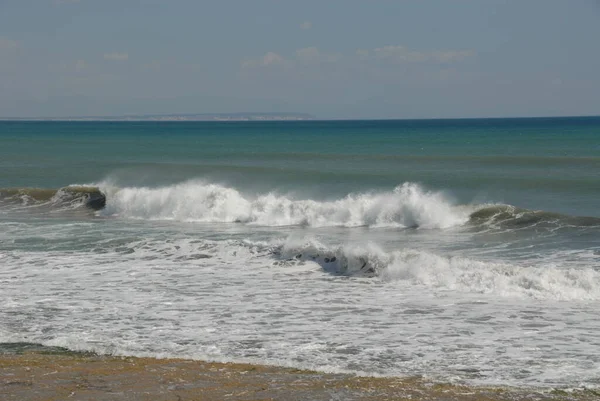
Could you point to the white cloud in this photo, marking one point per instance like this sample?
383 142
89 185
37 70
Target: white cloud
269 59
305 56
116 56
312 55
306 25
362 53
80 65
7 44
398 53
402 54
272 58
452 55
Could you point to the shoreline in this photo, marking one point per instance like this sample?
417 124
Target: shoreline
35 373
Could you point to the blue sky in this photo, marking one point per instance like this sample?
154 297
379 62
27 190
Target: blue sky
333 59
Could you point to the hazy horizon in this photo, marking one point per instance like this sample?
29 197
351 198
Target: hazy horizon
306 117
335 60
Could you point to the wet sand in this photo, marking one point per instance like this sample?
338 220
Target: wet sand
47 374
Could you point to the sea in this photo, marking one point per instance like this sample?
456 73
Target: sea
463 251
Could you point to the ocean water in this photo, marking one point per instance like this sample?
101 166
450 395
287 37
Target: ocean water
459 250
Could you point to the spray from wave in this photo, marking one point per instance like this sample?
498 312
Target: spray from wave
408 205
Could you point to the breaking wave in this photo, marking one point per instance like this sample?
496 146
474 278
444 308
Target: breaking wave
429 270
416 269
63 198
408 205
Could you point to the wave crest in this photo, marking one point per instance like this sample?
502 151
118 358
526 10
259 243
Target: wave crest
408 205
426 269
509 217
69 197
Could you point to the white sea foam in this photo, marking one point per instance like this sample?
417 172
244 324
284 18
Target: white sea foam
284 303
299 302
408 205
412 268
380 301
460 274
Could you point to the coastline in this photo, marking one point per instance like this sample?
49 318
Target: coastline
35 373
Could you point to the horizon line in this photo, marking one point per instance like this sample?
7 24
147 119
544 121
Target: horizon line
256 117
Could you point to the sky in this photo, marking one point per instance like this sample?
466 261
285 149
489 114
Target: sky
332 59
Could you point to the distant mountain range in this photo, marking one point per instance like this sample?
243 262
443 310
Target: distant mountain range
181 117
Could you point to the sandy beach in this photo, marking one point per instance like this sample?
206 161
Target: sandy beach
34 373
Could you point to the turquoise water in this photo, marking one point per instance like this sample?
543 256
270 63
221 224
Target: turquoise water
458 249
548 164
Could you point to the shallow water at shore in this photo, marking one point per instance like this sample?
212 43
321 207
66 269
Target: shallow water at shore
30 372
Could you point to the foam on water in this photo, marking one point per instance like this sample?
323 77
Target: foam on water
485 294
436 272
154 290
497 284
288 303
407 205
